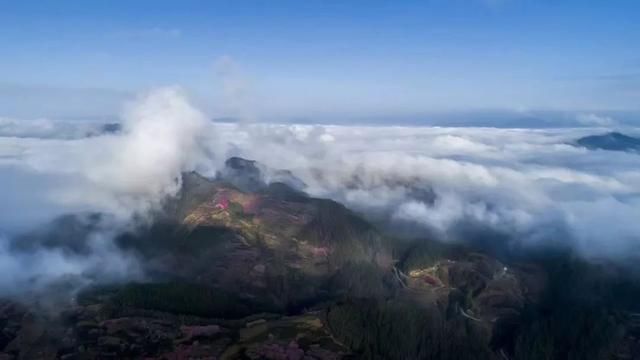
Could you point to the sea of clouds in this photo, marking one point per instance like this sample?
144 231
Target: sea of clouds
531 184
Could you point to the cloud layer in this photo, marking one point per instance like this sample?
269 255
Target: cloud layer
126 175
528 183
531 184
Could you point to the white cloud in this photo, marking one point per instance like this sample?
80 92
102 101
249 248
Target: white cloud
125 174
47 128
519 180
522 181
161 139
128 173
595 120
33 270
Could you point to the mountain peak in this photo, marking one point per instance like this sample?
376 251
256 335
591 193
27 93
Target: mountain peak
612 141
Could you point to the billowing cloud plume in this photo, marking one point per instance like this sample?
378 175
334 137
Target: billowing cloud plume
160 140
129 172
125 174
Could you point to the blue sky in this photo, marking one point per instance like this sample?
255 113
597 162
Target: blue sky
296 58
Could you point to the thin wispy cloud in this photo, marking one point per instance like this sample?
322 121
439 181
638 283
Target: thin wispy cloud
595 120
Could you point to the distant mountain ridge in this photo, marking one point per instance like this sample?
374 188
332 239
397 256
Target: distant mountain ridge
612 141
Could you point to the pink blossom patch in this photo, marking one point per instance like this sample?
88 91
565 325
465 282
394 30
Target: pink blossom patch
320 251
223 203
